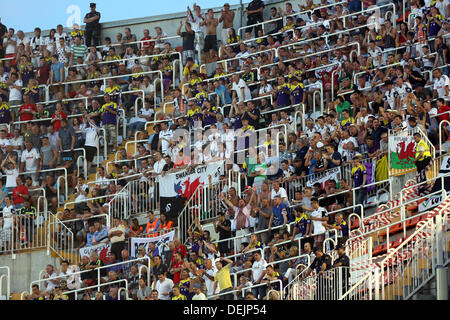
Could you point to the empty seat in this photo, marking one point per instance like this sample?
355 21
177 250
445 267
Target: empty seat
397 242
412 222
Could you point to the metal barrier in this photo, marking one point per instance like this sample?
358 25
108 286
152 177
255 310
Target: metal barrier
7 277
327 285
97 270
404 270
60 239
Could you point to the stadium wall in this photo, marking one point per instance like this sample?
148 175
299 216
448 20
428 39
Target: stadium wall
26 267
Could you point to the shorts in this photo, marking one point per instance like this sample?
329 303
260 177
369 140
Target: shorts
67 156
210 43
91 152
6 235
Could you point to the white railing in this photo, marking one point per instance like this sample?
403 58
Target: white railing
60 239
7 277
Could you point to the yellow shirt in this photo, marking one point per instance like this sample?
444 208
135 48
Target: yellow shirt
223 277
180 297
422 146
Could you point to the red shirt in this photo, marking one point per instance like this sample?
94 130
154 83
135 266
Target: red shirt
57 123
443 109
181 249
19 189
27 107
147 44
176 276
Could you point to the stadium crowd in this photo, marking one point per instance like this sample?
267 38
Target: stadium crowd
391 76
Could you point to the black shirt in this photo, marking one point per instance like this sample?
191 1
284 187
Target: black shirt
318 262
159 270
344 260
224 234
376 134
255 5
252 122
188 40
94 24
167 167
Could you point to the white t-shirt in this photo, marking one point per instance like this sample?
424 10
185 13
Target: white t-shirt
165 134
165 286
258 268
318 227
11 176
209 283
8 213
81 196
30 159
25 41
91 137
159 165
281 192
238 86
3 144
15 94
10 48
17 142
120 238
440 84
374 54
200 296
50 284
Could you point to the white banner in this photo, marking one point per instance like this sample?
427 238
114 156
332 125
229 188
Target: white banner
161 242
102 249
431 202
332 174
445 166
184 183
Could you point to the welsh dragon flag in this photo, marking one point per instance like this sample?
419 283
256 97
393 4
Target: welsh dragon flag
402 152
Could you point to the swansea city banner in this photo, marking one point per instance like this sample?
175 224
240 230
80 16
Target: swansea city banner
184 183
402 153
161 242
102 250
331 174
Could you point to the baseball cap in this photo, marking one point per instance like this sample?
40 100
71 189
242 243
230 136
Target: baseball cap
319 145
197 286
92 4
358 156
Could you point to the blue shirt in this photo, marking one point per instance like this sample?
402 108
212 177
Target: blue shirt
278 212
219 92
102 234
89 239
56 67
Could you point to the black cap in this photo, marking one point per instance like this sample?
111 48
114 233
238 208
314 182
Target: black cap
339 246
92 5
317 249
388 82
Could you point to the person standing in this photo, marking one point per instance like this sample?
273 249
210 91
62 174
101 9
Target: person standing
3 31
254 15
109 113
422 158
188 41
223 279
117 237
211 24
343 262
359 179
92 26
226 18
195 20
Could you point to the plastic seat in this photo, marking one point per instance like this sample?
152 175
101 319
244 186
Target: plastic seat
355 224
396 228
397 242
412 222
377 250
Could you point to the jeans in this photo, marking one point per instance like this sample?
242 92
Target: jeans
259 291
360 196
226 296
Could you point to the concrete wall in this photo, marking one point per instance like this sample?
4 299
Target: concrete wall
26 267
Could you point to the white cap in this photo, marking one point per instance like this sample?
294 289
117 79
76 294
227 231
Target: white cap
319 144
